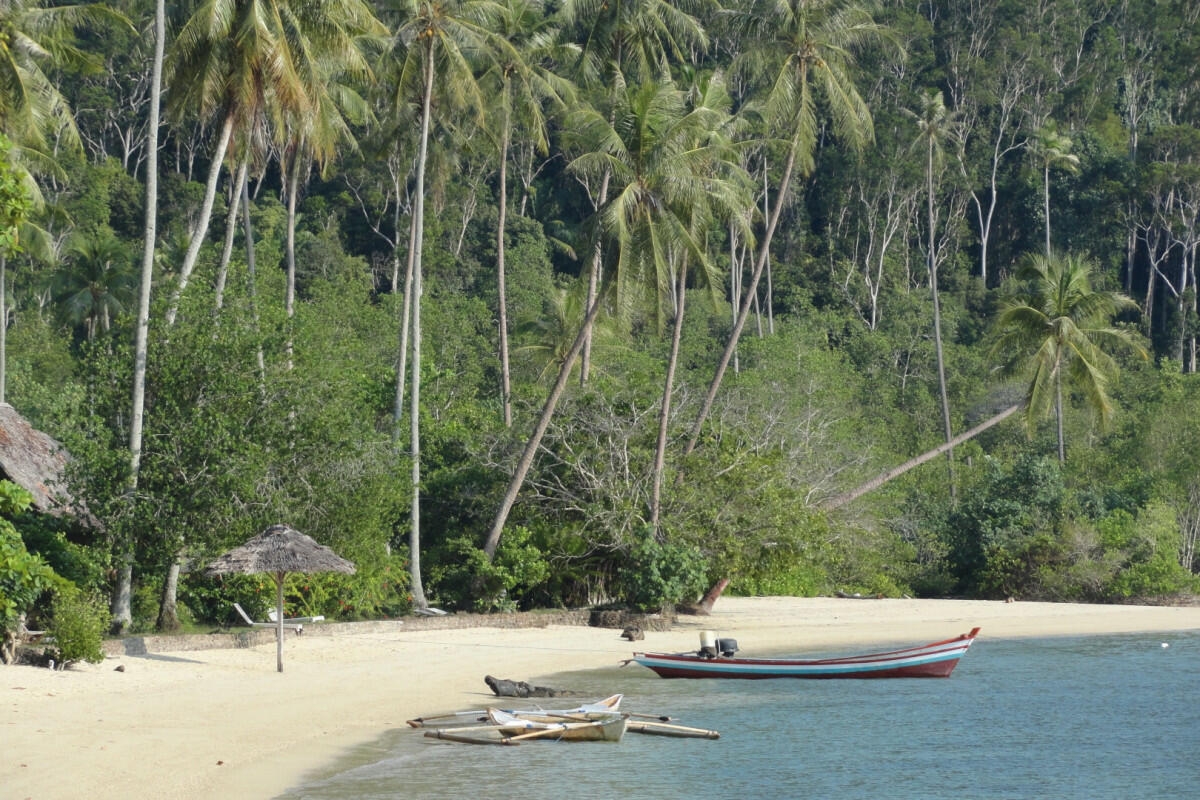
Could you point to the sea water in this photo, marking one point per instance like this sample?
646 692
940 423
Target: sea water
1100 717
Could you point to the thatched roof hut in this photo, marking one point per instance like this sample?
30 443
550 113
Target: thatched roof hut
34 461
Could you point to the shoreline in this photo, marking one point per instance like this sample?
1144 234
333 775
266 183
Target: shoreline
217 723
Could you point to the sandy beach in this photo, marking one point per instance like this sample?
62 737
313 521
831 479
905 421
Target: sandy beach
223 723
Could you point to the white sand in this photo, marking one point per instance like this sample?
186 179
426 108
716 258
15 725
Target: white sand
225 724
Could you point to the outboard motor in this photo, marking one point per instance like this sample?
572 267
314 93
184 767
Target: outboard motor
708 644
727 647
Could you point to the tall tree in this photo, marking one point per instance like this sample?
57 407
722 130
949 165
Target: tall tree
244 64
1052 149
526 90
344 28
803 51
434 46
937 127
1056 326
620 44
121 611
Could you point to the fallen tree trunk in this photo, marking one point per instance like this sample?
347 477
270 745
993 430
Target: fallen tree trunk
842 499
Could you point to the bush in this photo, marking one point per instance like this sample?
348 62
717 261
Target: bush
468 578
660 574
78 622
24 576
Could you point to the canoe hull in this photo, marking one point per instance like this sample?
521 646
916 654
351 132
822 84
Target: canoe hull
607 727
936 660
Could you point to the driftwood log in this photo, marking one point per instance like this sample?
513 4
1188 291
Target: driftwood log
506 688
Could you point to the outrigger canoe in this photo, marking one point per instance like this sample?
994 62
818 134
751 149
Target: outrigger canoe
584 711
508 729
935 660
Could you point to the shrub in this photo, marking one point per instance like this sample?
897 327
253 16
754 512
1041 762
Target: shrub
660 574
78 622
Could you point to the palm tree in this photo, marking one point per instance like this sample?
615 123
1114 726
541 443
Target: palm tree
248 64
35 118
524 90
668 180
434 42
803 50
937 126
727 198
1052 149
96 284
121 606
1057 325
621 44
345 29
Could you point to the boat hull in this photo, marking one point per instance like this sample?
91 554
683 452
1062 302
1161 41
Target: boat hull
936 660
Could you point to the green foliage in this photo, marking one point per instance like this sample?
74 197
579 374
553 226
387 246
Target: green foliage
24 577
82 560
655 575
77 623
14 202
1151 548
467 577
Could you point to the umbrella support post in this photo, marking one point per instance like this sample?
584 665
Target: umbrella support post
279 620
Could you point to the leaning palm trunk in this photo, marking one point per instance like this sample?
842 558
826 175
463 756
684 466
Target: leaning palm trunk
731 346
235 200
660 447
535 439
842 499
201 230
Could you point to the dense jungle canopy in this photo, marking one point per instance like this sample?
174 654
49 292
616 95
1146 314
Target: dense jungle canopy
537 303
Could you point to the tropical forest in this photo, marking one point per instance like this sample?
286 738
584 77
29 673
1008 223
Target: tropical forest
540 304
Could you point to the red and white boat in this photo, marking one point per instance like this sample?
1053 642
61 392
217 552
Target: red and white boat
716 659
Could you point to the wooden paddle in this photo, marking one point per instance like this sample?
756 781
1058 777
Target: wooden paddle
532 735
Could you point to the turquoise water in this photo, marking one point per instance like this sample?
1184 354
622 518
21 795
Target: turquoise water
1102 718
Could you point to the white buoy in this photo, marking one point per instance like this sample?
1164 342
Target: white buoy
1165 645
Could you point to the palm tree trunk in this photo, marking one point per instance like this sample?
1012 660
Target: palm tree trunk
744 311
252 281
502 302
405 317
535 439
235 201
290 293
937 328
1058 413
414 536
122 612
664 415
842 499
198 235
593 285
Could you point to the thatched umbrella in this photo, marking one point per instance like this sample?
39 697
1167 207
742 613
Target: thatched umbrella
279 550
